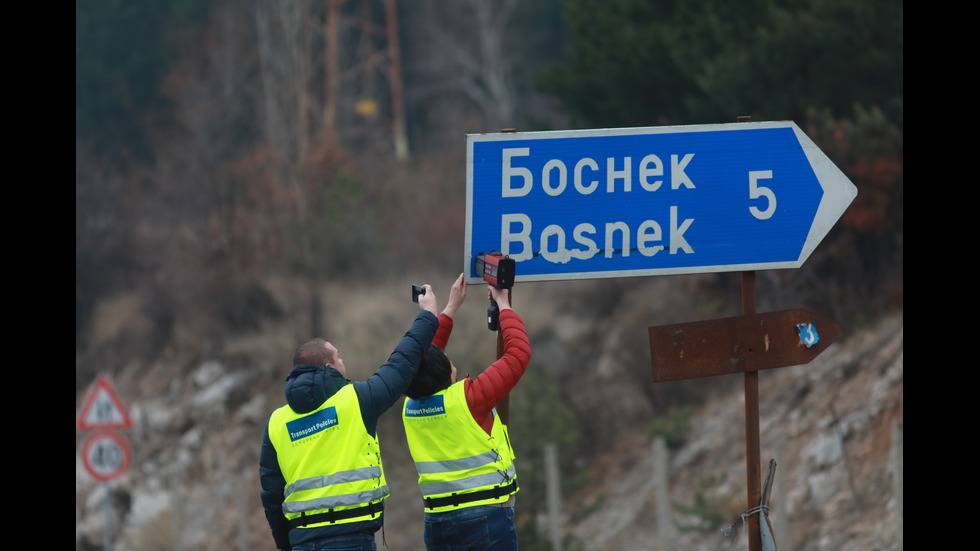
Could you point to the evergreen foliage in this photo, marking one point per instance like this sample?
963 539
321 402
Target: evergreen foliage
123 51
641 63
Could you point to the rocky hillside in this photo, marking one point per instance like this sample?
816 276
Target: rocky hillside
830 426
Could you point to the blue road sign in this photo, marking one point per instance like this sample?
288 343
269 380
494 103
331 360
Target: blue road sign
650 201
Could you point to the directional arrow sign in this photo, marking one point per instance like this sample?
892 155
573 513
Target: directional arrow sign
650 201
739 344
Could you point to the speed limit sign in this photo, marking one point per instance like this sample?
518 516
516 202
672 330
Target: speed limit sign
106 455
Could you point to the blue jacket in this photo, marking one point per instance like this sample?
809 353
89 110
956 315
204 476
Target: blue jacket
307 387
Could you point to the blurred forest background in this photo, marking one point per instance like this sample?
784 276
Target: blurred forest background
212 151
223 147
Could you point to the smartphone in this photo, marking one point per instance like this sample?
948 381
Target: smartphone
416 291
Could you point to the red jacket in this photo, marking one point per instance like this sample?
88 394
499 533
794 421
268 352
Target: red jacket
490 387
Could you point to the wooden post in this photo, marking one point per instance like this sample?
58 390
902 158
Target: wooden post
332 83
553 491
395 75
898 468
661 475
243 512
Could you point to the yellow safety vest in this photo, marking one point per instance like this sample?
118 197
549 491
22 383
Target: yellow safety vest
332 466
458 463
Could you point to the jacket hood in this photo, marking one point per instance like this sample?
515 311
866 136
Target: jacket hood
308 386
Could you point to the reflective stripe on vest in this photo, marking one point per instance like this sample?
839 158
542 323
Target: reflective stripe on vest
328 460
453 454
328 502
434 489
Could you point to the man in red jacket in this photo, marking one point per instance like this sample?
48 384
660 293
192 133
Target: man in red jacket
458 442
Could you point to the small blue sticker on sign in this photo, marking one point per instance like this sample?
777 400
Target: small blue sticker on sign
808 334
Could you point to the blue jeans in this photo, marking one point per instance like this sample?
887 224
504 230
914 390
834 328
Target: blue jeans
479 528
350 542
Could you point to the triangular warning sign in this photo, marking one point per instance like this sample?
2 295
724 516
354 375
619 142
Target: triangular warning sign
102 409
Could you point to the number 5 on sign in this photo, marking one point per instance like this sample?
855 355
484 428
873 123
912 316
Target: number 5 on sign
756 191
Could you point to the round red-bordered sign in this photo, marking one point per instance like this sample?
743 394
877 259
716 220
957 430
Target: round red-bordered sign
106 455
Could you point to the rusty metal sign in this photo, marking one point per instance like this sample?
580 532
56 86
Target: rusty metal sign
739 344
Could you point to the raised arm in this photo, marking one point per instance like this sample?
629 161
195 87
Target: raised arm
491 386
457 294
389 382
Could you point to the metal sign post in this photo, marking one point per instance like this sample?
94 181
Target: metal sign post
503 408
753 455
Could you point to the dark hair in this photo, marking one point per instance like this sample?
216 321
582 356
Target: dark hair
434 374
313 352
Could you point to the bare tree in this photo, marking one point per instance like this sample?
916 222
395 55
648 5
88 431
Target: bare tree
461 49
486 74
284 33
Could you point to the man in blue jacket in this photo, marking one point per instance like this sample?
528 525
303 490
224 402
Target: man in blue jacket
323 484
